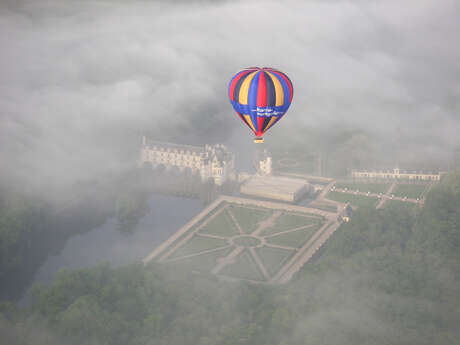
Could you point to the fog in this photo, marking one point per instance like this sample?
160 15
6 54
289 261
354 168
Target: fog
105 244
80 81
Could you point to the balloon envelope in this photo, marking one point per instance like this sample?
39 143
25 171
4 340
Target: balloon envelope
260 96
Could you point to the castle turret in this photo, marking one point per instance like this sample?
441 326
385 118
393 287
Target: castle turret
263 162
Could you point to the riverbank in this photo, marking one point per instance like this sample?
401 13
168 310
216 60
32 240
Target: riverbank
107 244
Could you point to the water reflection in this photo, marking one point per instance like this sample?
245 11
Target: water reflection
107 244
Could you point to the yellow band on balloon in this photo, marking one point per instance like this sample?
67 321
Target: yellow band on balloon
270 123
244 89
249 121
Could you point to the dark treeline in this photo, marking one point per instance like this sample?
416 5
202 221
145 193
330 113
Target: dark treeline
389 276
31 229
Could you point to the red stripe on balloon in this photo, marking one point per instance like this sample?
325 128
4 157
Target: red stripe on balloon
260 125
232 86
262 91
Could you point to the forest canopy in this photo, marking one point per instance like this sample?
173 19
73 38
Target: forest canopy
389 276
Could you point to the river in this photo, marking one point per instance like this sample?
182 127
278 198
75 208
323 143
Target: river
106 244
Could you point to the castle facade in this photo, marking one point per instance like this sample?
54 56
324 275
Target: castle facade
210 162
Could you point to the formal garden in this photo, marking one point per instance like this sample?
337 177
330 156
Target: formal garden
242 241
364 187
411 191
354 199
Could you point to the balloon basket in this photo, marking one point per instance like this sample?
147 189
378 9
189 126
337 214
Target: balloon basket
258 140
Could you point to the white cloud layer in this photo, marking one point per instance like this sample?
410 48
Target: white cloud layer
80 80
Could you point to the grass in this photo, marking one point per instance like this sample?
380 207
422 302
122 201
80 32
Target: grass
273 258
323 206
399 204
198 244
221 225
305 163
203 262
295 239
355 200
213 211
290 221
246 241
243 268
412 191
248 218
201 221
364 187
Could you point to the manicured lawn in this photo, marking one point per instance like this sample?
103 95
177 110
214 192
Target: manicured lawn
203 262
289 221
208 215
273 258
246 241
412 191
294 239
364 187
323 206
248 218
399 204
198 224
197 244
244 268
356 200
294 162
221 225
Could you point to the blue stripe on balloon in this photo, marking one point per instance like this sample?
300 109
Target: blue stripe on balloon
286 102
252 98
252 94
236 92
266 121
271 94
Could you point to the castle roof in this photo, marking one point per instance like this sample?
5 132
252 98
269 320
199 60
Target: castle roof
216 152
167 145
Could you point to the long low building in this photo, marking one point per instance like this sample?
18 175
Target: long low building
275 187
397 174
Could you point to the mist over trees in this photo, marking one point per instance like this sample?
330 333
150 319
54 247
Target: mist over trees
376 85
32 228
388 276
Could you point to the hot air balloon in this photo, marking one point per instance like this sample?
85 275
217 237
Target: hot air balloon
260 97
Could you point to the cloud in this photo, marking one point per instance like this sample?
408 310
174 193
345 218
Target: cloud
81 80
